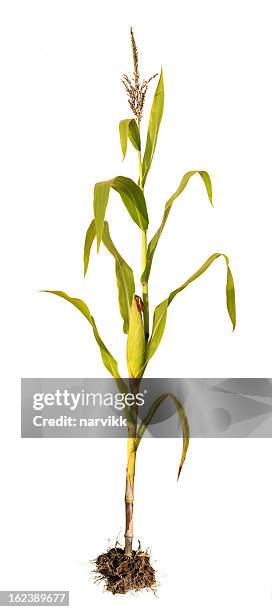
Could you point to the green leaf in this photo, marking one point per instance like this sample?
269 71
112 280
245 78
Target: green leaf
160 313
132 197
109 362
230 293
124 276
149 416
183 421
185 430
90 236
101 198
154 241
128 128
153 127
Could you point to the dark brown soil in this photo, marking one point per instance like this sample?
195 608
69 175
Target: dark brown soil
122 574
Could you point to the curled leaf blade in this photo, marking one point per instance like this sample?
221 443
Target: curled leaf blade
128 129
132 197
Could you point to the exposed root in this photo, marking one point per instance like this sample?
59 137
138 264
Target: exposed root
122 574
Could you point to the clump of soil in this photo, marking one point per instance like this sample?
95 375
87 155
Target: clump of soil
122 574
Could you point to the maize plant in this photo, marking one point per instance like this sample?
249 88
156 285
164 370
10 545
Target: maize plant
143 340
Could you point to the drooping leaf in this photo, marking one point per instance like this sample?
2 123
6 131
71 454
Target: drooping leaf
153 127
109 362
128 128
230 293
90 236
124 277
132 197
185 430
124 274
149 416
160 313
183 421
154 241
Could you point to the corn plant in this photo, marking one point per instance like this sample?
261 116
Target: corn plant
142 342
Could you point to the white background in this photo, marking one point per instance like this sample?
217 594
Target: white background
61 102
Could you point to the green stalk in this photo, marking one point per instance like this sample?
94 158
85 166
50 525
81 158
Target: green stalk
132 426
144 252
130 472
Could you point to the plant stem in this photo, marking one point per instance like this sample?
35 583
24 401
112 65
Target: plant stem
129 494
144 252
132 421
145 286
130 471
